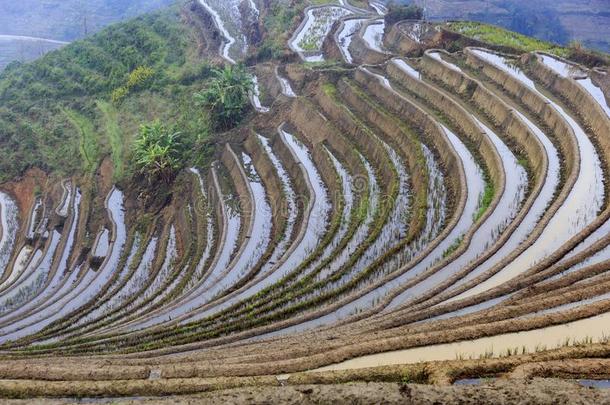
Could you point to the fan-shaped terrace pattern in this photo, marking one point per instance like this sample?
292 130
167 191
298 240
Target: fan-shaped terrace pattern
386 211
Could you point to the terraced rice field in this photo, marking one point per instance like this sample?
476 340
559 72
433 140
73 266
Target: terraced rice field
390 211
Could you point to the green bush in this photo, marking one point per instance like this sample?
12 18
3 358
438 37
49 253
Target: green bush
226 96
157 153
136 81
34 129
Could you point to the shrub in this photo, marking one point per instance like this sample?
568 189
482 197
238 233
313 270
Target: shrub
157 152
227 96
137 79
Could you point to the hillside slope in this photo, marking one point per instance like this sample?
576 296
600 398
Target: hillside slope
59 21
558 21
256 197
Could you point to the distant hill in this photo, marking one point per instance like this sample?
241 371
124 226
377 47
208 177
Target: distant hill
63 20
561 21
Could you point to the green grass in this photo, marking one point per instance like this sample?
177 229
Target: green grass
499 36
494 35
114 136
279 24
485 200
88 146
58 106
454 246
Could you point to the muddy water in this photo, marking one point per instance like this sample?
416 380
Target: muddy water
162 276
438 57
373 35
490 230
259 238
255 95
537 209
562 68
285 84
227 18
8 230
267 273
406 68
580 208
345 36
596 93
209 242
35 218
132 286
232 224
395 228
81 291
554 336
21 263
318 23
571 71
362 231
33 277
58 280
64 205
475 187
118 286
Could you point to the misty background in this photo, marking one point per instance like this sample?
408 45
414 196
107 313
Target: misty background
30 28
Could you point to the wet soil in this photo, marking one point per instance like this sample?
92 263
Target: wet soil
535 391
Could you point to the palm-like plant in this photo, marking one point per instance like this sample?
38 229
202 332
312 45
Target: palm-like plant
157 152
227 95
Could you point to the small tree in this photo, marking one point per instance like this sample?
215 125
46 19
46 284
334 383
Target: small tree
227 95
157 152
